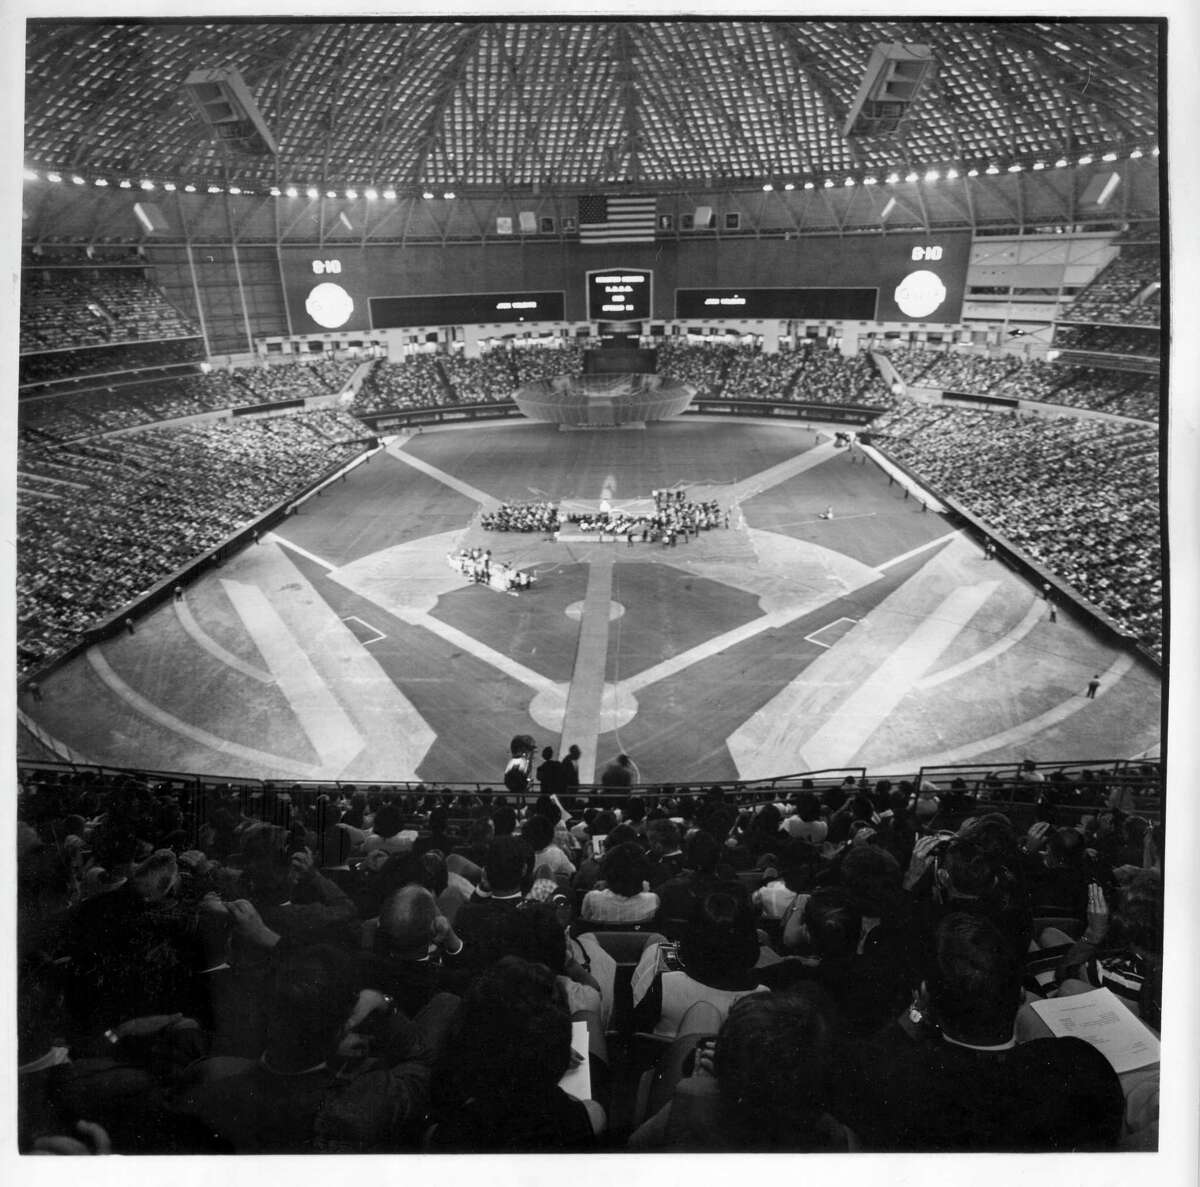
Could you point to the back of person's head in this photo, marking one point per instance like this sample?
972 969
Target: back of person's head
702 852
602 822
406 919
512 1034
311 995
1067 848
973 981
388 821
766 820
544 806
808 806
624 834
624 869
635 809
509 862
504 820
662 835
538 831
439 819
969 869
720 938
833 923
522 744
772 1062
872 878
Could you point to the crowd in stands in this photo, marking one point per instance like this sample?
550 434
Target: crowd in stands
1080 497
522 517
101 522
142 400
60 366
1144 343
847 968
1012 376
532 363
489 379
1126 292
64 309
811 373
417 382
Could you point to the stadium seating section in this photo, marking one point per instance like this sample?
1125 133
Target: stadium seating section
791 926
1125 293
1078 496
100 522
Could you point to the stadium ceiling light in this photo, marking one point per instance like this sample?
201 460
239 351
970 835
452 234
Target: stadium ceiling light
370 195
233 189
352 195
427 195
147 185
100 181
331 193
78 180
1039 165
125 183
54 177
767 187
1016 168
849 182
390 195
992 170
1085 160
789 185
808 185
169 186
870 181
275 191
912 175
829 183
313 192
951 174
189 189
1136 155
933 175
1154 151
214 189
972 172
31 175
1061 163
292 192
1109 156
448 194
893 178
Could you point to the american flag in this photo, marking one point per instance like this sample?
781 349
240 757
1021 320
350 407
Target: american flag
616 220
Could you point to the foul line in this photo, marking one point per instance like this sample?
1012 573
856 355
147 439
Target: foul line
904 556
275 538
486 501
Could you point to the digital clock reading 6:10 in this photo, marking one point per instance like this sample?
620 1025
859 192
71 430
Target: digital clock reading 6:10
334 267
926 253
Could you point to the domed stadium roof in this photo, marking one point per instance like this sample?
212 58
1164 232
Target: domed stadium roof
565 104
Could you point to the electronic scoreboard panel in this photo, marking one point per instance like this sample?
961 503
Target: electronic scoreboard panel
619 294
465 309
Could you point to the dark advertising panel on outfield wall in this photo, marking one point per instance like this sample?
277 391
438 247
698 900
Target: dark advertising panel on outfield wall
856 304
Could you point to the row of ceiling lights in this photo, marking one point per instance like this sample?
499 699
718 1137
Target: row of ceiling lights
371 194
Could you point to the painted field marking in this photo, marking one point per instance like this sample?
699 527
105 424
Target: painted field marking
829 626
917 551
367 626
275 538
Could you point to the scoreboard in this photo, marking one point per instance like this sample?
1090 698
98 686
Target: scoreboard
619 294
890 277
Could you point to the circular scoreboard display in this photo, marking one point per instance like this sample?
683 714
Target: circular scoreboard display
329 305
920 293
